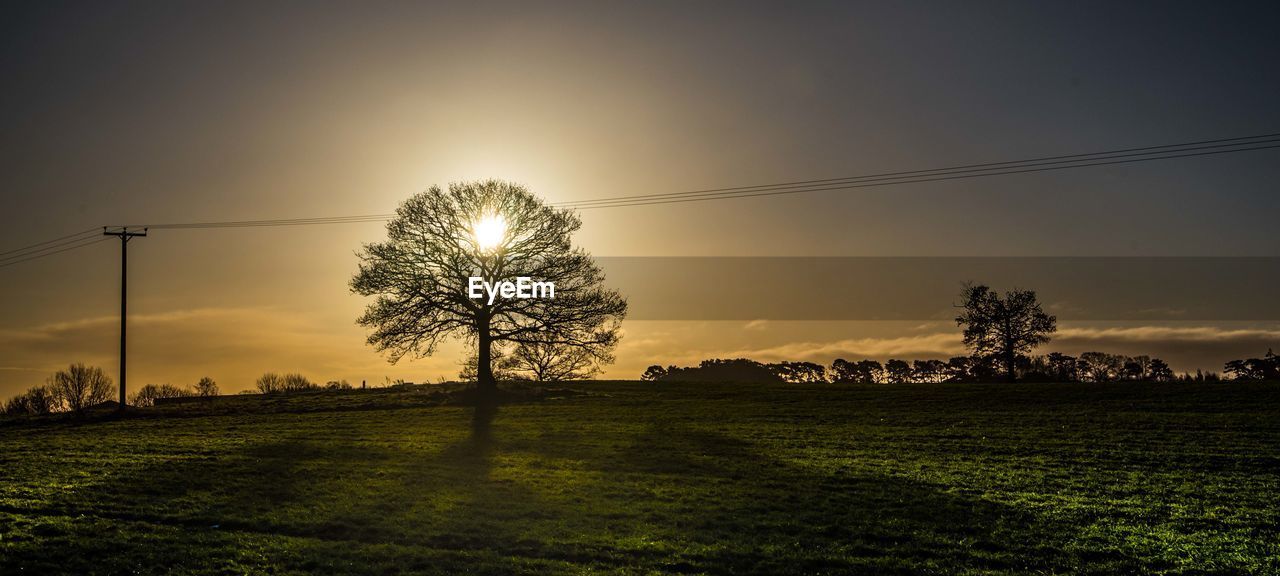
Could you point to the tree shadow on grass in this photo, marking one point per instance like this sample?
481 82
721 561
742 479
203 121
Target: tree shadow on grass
665 497
726 508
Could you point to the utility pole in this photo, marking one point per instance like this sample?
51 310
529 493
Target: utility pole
125 235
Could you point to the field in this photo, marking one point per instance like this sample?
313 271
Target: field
643 478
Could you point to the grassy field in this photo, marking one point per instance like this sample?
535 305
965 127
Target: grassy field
645 478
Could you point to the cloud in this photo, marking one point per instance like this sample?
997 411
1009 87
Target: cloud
918 346
1167 334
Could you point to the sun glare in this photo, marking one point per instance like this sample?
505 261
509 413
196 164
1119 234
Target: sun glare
489 231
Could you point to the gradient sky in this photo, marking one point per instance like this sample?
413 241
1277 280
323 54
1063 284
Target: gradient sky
175 112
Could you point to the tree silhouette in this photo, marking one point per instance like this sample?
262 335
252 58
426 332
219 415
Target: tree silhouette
79 387
206 387
147 395
1159 371
36 400
543 360
419 277
799 372
1004 328
897 371
655 372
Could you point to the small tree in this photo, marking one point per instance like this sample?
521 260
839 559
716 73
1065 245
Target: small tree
79 387
1099 366
36 400
470 371
147 395
1003 327
545 360
295 382
1159 371
270 383
654 373
206 387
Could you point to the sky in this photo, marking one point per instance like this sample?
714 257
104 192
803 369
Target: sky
149 113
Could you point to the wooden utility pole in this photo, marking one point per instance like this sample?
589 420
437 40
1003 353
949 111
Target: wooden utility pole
125 235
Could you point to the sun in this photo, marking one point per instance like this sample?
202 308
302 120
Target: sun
489 231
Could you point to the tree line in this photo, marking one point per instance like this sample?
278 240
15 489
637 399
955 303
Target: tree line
82 387
1000 332
1052 367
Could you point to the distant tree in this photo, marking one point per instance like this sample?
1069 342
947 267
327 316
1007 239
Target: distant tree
298 383
470 368
270 383
147 395
335 385
654 372
1062 368
1133 369
842 371
1158 371
959 369
79 387
545 360
1003 327
897 371
860 372
718 370
1265 368
799 372
928 371
1099 367
206 387
419 276
868 372
1248 369
36 400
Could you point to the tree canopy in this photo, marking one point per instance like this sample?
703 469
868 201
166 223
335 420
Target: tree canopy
498 231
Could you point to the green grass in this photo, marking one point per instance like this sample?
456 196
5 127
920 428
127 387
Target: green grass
643 478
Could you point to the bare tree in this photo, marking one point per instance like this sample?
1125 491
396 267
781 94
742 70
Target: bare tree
206 387
496 231
470 371
270 383
544 360
147 395
36 400
1005 328
295 382
79 387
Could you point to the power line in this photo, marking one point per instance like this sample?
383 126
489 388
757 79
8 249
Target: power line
1041 164
84 233
51 247
983 167
86 242
274 222
1028 165
934 178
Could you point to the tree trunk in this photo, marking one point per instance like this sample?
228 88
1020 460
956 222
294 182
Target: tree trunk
1010 355
485 383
